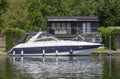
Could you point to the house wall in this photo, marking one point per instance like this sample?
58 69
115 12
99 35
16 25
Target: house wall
95 26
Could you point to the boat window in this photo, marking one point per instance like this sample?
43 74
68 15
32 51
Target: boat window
26 38
46 35
45 39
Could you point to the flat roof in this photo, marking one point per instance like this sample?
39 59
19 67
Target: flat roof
72 18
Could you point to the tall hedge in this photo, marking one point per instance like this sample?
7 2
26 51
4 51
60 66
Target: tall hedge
10 34
106 33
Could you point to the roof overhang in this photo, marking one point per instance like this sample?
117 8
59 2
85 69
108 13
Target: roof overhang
72 18
61 19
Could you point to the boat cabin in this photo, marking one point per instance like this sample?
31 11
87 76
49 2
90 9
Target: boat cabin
66 27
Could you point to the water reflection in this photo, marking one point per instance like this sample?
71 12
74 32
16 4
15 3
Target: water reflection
111 68
7 71
78 67
38 67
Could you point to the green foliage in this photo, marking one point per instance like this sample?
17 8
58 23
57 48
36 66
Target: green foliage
10 34
30 15
14 32
16 14
3 6
39 9
36 19
106 33
108 12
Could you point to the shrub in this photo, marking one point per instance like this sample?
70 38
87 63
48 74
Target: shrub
106 33
10 34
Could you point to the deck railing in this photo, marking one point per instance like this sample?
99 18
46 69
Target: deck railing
78 34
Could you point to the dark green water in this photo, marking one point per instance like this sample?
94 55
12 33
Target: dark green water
63 67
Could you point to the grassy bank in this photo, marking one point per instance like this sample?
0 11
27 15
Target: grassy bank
106 50
102 50
2 51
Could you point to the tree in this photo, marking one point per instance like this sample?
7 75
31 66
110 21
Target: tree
40 9
54 8
16 14
108 12
35 17
30 15
3 7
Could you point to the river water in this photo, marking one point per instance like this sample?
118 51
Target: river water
60 67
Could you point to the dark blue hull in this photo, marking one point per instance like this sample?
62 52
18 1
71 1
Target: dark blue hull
50 50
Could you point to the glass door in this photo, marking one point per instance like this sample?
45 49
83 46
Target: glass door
86 28
68 28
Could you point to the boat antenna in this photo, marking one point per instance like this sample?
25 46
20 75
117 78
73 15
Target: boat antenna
40 29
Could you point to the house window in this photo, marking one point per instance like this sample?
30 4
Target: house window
58 28
53 26
68 29
86 28
52 29
61 28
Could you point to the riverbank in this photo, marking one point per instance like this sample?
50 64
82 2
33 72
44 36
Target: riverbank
98 53
106 52
2 51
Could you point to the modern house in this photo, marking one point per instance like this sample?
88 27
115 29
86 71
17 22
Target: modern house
68 27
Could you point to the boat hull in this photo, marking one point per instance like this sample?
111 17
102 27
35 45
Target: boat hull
54 50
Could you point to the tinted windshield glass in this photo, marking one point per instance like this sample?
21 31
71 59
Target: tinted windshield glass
46 35
46 39
27 36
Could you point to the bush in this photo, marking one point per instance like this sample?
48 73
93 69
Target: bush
10 34
106 33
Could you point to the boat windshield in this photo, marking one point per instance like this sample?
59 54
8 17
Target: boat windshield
42 37
46 37
27 36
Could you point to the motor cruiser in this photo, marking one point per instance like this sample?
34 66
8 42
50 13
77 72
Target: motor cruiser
46 44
